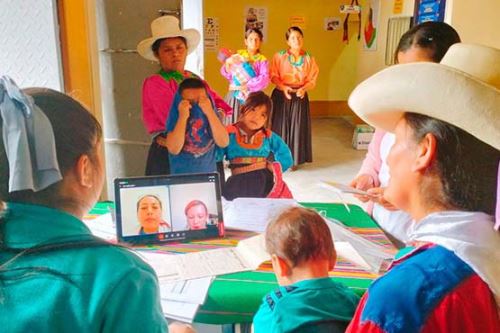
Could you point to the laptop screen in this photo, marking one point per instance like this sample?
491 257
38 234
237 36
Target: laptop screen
168 208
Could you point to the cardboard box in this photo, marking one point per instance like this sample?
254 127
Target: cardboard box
362 136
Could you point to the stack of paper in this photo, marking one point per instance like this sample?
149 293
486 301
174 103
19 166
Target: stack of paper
248 255
180 299
254 214
375 257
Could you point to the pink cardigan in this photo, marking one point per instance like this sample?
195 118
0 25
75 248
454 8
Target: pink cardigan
373 162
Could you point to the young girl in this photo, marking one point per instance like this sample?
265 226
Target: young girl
294 72
257 156
81 283
259 72
308 300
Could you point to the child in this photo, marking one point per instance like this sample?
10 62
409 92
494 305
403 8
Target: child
193 130
256 155
308 300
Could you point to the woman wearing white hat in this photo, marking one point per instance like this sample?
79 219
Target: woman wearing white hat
168 45
443 168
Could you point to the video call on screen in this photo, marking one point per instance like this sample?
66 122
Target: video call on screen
168 207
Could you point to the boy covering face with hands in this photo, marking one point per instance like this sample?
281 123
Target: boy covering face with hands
193 130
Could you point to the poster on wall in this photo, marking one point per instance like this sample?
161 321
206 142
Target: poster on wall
429 10
297 21
370 30
332 23
398 7
211 33
256 17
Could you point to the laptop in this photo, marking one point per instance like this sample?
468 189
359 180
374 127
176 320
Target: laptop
158 209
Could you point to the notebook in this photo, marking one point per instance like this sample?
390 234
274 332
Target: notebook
158 209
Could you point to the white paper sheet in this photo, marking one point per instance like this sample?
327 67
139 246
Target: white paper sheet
375 255
179 310
164 265
347 251
102 226
188 291
253 214
337 187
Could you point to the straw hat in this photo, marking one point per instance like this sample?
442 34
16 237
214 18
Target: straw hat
463 90
167 27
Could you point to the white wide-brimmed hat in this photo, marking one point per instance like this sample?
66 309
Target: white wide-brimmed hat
462 90
167 27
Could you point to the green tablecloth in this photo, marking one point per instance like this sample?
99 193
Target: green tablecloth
234 298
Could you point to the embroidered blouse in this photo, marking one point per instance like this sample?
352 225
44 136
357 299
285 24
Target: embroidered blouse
296 72
158 93
261 144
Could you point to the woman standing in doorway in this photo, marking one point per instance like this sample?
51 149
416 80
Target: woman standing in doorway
169 45
254 65
294 72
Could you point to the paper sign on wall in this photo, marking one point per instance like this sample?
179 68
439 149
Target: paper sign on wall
211 33
350 9
256 17
297 21
332 23
398 7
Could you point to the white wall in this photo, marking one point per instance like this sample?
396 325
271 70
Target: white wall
29 39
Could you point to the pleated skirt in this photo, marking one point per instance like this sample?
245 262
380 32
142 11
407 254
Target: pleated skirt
291 119
157 162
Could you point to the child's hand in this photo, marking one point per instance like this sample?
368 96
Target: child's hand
205 105
184 109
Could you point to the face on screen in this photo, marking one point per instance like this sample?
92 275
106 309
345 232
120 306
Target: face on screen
149 214
197 216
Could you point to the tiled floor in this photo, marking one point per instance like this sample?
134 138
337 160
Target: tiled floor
333 159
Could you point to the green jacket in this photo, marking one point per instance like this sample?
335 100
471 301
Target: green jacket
86 289
316 305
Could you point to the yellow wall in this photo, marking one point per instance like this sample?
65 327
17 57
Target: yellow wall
476 21
75 51
337 61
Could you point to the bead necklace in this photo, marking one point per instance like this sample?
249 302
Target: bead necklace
297 63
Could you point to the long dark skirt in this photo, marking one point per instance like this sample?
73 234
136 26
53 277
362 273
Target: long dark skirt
235 105
157 163
291 119
254 184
